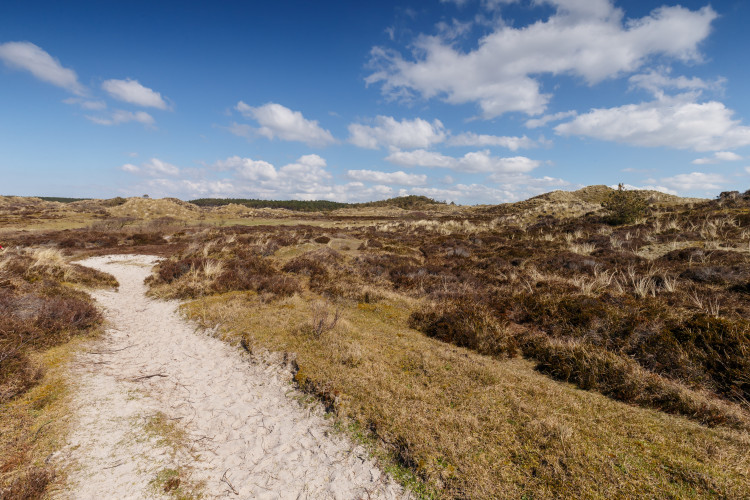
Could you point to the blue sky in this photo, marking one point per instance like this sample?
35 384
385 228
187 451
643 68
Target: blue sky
472 101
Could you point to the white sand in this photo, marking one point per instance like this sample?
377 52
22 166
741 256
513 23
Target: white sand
249 437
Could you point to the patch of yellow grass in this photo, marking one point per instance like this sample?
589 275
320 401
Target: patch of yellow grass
476 427
35 424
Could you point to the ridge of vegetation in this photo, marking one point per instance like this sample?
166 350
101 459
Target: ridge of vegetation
405 202
62 199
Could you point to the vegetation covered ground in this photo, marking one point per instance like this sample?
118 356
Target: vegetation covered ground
549 348
41 311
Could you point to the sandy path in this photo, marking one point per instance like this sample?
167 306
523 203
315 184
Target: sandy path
247 437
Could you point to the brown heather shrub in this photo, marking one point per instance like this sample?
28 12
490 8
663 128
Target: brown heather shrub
38 312
171 270
622 378
721 348
466 324
31 485
307 265
148 239
322 239
279 285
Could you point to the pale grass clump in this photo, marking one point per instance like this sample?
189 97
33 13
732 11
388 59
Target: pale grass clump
212 269
672 225
669 283
642 286
709 305
51 260
582 248
615 243
547 237
591 285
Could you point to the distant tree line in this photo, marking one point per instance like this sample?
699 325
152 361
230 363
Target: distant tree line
62 199
404 202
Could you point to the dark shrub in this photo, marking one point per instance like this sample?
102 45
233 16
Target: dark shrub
722 348
148 239
465 324
625 207
322 239
718 275
280 285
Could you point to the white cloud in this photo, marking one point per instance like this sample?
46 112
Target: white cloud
86 103
277 121
588 39
391 133
399 178
510 188
130 168
510 142
694 181
27 56
475 162
246 168
119 116
727 156
675 122
656 80
544 120
307 179
719 156
661 189
133 92
154 167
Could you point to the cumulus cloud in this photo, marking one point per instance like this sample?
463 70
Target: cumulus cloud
694 181
719 156
509 188
398 178
133 92
587 39
32 58
307 178
510 142
154 167
246 168
119 116
391 133
277 121
675 122
658 80
474 162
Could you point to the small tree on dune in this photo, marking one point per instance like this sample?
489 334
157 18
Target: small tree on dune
625 207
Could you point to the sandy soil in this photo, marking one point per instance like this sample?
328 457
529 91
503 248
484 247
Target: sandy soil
246 432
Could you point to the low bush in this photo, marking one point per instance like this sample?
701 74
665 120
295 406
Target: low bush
625 207
465 324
